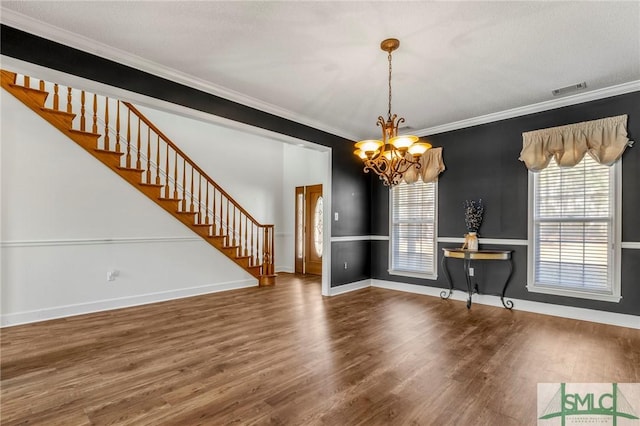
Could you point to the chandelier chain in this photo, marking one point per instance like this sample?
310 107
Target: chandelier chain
389 113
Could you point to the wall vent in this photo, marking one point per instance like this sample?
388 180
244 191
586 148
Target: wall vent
569 89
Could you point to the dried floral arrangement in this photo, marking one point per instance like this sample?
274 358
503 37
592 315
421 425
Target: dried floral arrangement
473 211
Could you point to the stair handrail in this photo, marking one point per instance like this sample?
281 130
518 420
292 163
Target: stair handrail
191 163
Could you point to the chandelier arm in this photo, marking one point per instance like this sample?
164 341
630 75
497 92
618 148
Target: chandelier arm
379 166
400 168
407 164
383 126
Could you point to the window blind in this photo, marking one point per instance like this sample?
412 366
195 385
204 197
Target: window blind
573 227
413 222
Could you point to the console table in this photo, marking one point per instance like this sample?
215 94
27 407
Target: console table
472 255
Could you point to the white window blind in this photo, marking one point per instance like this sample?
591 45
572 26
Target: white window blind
413 229
574 229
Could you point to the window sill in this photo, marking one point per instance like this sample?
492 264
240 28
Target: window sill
413 274
574 293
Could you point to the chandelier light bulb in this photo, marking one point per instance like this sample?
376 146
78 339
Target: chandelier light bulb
419 148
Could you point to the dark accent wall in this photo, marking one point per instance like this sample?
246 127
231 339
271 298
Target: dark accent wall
350 190
352 201
482 162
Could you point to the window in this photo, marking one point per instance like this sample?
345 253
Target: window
413 230
575 230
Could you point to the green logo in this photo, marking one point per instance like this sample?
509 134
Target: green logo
587 403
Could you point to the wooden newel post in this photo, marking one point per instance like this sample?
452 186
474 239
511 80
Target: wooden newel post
265 252
268 276
272 251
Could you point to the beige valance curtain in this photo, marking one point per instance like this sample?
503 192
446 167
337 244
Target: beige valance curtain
605 140
431 166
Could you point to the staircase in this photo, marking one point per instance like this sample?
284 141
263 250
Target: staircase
124 140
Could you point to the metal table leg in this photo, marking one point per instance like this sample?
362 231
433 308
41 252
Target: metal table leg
508 304
443 293
467 263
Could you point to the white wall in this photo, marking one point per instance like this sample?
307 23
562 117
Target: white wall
67 219
302 167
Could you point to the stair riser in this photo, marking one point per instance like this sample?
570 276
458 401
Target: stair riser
244 262
61 119
110 159
203 231
133 177
169 205
37 96
231 252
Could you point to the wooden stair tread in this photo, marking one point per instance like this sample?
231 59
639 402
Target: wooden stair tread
106 151
31 89
8 77
156 185
58 112
169 199
131 169
203 224
84 132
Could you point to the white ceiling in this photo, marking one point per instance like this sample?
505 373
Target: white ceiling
319 63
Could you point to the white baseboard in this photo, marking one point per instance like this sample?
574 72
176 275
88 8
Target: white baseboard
8 320
604 317
284 269
346 288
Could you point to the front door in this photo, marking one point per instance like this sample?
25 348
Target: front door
309 225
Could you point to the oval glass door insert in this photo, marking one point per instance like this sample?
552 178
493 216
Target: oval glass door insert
317 227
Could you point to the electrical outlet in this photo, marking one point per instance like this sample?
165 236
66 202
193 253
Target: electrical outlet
112 274
335 216
471 272
345 265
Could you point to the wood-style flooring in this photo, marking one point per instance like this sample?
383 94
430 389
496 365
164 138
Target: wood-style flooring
286 355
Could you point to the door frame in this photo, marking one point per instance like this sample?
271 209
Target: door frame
307 263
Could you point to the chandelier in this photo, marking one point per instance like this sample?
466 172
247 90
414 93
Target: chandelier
391 157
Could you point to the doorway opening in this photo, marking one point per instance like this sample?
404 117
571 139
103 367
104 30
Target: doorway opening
309 244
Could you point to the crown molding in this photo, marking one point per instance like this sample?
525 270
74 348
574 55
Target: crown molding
85 44
607 92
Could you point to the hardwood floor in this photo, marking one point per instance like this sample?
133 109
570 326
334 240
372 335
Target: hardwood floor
286 355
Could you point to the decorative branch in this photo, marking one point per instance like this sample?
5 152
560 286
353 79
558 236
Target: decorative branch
473 212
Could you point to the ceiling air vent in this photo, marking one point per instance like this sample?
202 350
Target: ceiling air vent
569 89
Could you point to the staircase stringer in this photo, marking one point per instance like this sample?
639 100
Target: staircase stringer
212 214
